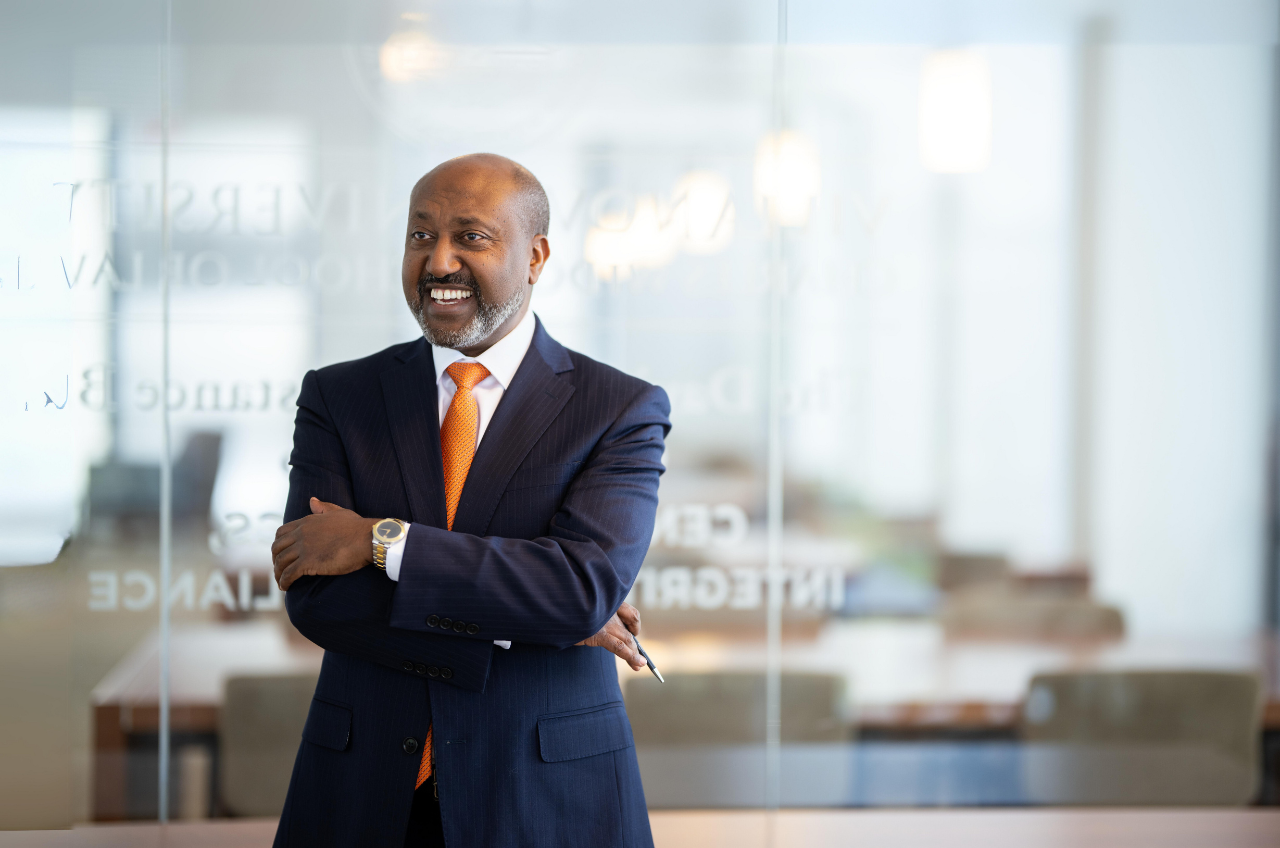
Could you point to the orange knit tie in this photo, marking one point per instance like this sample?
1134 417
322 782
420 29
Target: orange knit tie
457 448
458 432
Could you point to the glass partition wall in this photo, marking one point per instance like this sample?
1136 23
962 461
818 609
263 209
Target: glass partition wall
964 323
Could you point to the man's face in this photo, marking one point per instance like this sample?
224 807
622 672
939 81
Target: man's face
469 263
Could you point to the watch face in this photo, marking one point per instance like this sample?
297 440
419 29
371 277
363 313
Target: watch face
388 531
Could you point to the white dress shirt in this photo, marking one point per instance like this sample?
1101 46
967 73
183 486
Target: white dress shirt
502 361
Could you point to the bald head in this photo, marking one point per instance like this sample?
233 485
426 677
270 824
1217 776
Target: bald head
526 195
475 245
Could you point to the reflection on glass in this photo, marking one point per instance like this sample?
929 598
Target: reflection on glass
955 112
408 55
787 177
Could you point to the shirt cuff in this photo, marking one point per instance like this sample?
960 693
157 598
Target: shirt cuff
395 553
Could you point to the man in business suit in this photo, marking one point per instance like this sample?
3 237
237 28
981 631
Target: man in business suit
466 514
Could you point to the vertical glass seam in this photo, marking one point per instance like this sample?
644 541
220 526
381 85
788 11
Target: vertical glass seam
773 565
166 453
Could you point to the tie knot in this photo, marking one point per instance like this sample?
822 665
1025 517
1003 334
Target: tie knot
466 374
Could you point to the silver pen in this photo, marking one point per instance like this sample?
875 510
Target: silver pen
648 661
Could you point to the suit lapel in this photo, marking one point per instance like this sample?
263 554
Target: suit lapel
528 407
409 391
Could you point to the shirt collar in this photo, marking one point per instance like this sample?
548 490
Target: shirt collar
502 359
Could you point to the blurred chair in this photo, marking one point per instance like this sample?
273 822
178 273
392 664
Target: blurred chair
1007 611
117 489
729 707
194 475
1142 738
700 739
956 571
1073 582
260 730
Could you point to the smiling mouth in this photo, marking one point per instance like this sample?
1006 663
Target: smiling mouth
449 295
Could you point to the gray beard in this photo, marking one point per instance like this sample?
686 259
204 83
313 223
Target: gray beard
488 317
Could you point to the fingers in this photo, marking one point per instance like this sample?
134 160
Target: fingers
283 552
287 528
600 640
617 640
291 572
318 507
625 648
282 541
630 616
286 557
621 642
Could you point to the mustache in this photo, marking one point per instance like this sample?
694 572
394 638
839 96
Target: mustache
458 279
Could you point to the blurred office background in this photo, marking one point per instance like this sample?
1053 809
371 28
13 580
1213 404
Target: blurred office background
966 312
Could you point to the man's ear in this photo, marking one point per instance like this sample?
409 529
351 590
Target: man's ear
539 253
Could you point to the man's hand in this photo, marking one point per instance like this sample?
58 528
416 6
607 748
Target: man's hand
618 634
331 540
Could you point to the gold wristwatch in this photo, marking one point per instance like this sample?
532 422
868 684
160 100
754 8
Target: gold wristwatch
386 533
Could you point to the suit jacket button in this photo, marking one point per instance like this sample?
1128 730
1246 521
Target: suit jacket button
473 629
446 623
408 666
433 620
433 671
446 672
459 627
409 744
420 668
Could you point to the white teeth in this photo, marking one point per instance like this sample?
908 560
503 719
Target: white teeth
441 295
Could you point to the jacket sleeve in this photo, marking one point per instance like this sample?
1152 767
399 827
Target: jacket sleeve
350 613
563 587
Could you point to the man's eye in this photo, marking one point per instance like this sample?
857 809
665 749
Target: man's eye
473 237
419 235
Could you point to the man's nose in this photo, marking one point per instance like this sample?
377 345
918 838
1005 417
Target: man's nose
443 260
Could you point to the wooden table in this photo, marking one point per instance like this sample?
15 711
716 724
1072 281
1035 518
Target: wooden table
125 702
794 829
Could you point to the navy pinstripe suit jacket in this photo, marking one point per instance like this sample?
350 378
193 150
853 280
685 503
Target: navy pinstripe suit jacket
533 746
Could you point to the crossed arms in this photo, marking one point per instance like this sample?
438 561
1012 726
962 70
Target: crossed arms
561 589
